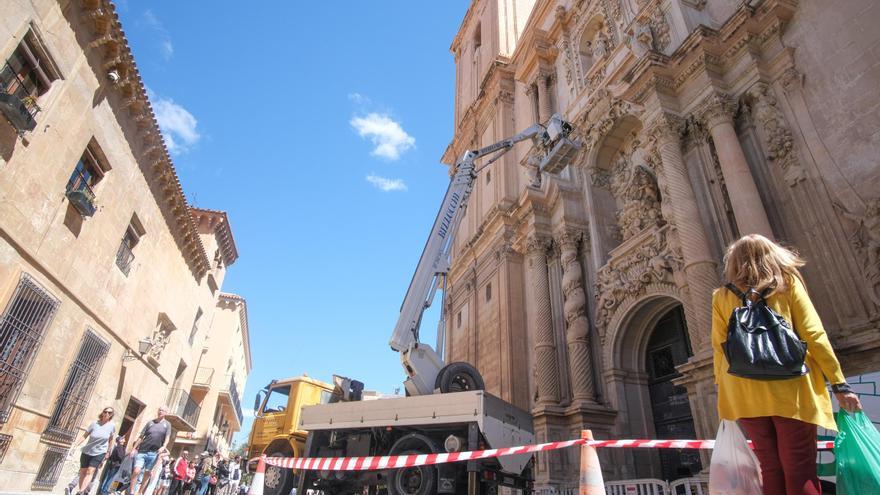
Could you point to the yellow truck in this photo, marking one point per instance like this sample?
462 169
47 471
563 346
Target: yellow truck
276 432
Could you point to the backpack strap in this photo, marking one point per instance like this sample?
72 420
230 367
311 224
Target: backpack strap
738 293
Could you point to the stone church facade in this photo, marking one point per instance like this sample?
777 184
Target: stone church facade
587 299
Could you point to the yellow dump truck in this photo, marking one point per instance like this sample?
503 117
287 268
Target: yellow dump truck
275 431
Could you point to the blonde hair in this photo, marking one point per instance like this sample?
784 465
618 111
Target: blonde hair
756 262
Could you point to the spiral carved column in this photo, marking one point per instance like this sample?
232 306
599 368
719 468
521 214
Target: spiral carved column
699 267
547 371
577 336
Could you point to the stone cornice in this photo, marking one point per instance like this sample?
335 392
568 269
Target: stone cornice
219 221
111 43
235 299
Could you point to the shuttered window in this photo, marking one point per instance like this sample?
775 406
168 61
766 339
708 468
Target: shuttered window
22 327
74 398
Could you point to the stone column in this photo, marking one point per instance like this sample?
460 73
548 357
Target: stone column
545 105
717 114
699 267
547 372
577 335
532 93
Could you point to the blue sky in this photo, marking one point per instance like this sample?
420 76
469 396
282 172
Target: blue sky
318 126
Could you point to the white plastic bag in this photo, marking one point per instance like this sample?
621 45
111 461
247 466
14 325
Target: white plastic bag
734 469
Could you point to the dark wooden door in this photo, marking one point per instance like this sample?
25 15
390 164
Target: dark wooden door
668 347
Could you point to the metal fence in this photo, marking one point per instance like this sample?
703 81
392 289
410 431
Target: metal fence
71 404
647 486
21 332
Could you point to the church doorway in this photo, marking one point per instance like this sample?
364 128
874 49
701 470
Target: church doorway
668 347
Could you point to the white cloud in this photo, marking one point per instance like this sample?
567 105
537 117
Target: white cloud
389 138
358 98
386 184
179 127
153 22
247 413
167 49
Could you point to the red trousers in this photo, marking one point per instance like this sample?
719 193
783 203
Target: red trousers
786 449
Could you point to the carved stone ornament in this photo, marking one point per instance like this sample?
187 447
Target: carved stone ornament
659 30
864 234
569 62
654 258
637 189
779 142
596 131
159 340
718 108
792 80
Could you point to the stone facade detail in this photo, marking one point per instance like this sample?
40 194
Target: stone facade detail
575 307
697 124
546 365
779 141
650 259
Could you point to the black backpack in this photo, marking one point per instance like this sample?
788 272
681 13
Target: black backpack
761 344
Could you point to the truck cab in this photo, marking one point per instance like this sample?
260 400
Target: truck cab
276 432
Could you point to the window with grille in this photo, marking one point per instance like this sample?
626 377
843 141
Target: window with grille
50 468
89 170
28 72
5 440
21 332
195 328
131 237
74 398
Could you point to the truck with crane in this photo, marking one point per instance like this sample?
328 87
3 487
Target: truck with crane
446 408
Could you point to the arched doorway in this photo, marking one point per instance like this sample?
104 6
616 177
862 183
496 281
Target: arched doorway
668 347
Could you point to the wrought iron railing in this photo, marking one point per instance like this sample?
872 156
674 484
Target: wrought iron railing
232 389
124 257
80 193
204 376
50 468
12 84
180 404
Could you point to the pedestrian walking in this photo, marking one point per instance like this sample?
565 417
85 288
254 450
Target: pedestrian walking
234 474
164 475
191 486
98 440
178 473
779 416
152 440
117 455
206 470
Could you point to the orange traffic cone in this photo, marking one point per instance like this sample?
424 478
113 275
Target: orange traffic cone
591 473
259 479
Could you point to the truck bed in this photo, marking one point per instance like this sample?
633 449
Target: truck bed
502 424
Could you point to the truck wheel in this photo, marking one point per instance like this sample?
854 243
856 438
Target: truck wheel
279 480
420 480
459 377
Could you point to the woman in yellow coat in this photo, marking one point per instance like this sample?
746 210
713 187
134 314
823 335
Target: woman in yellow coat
779 416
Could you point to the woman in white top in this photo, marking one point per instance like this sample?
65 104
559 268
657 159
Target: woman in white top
98 439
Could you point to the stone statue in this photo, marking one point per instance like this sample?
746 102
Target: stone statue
865 237
641 203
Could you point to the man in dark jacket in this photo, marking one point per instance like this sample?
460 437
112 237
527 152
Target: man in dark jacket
117 455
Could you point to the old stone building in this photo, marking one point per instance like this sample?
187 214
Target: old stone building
587 299
109 281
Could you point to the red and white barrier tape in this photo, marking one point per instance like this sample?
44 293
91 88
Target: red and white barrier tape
370 463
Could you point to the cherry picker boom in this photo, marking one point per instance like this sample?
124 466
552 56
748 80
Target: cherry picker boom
447 409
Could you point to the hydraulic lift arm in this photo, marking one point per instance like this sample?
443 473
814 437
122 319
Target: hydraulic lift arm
421 362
